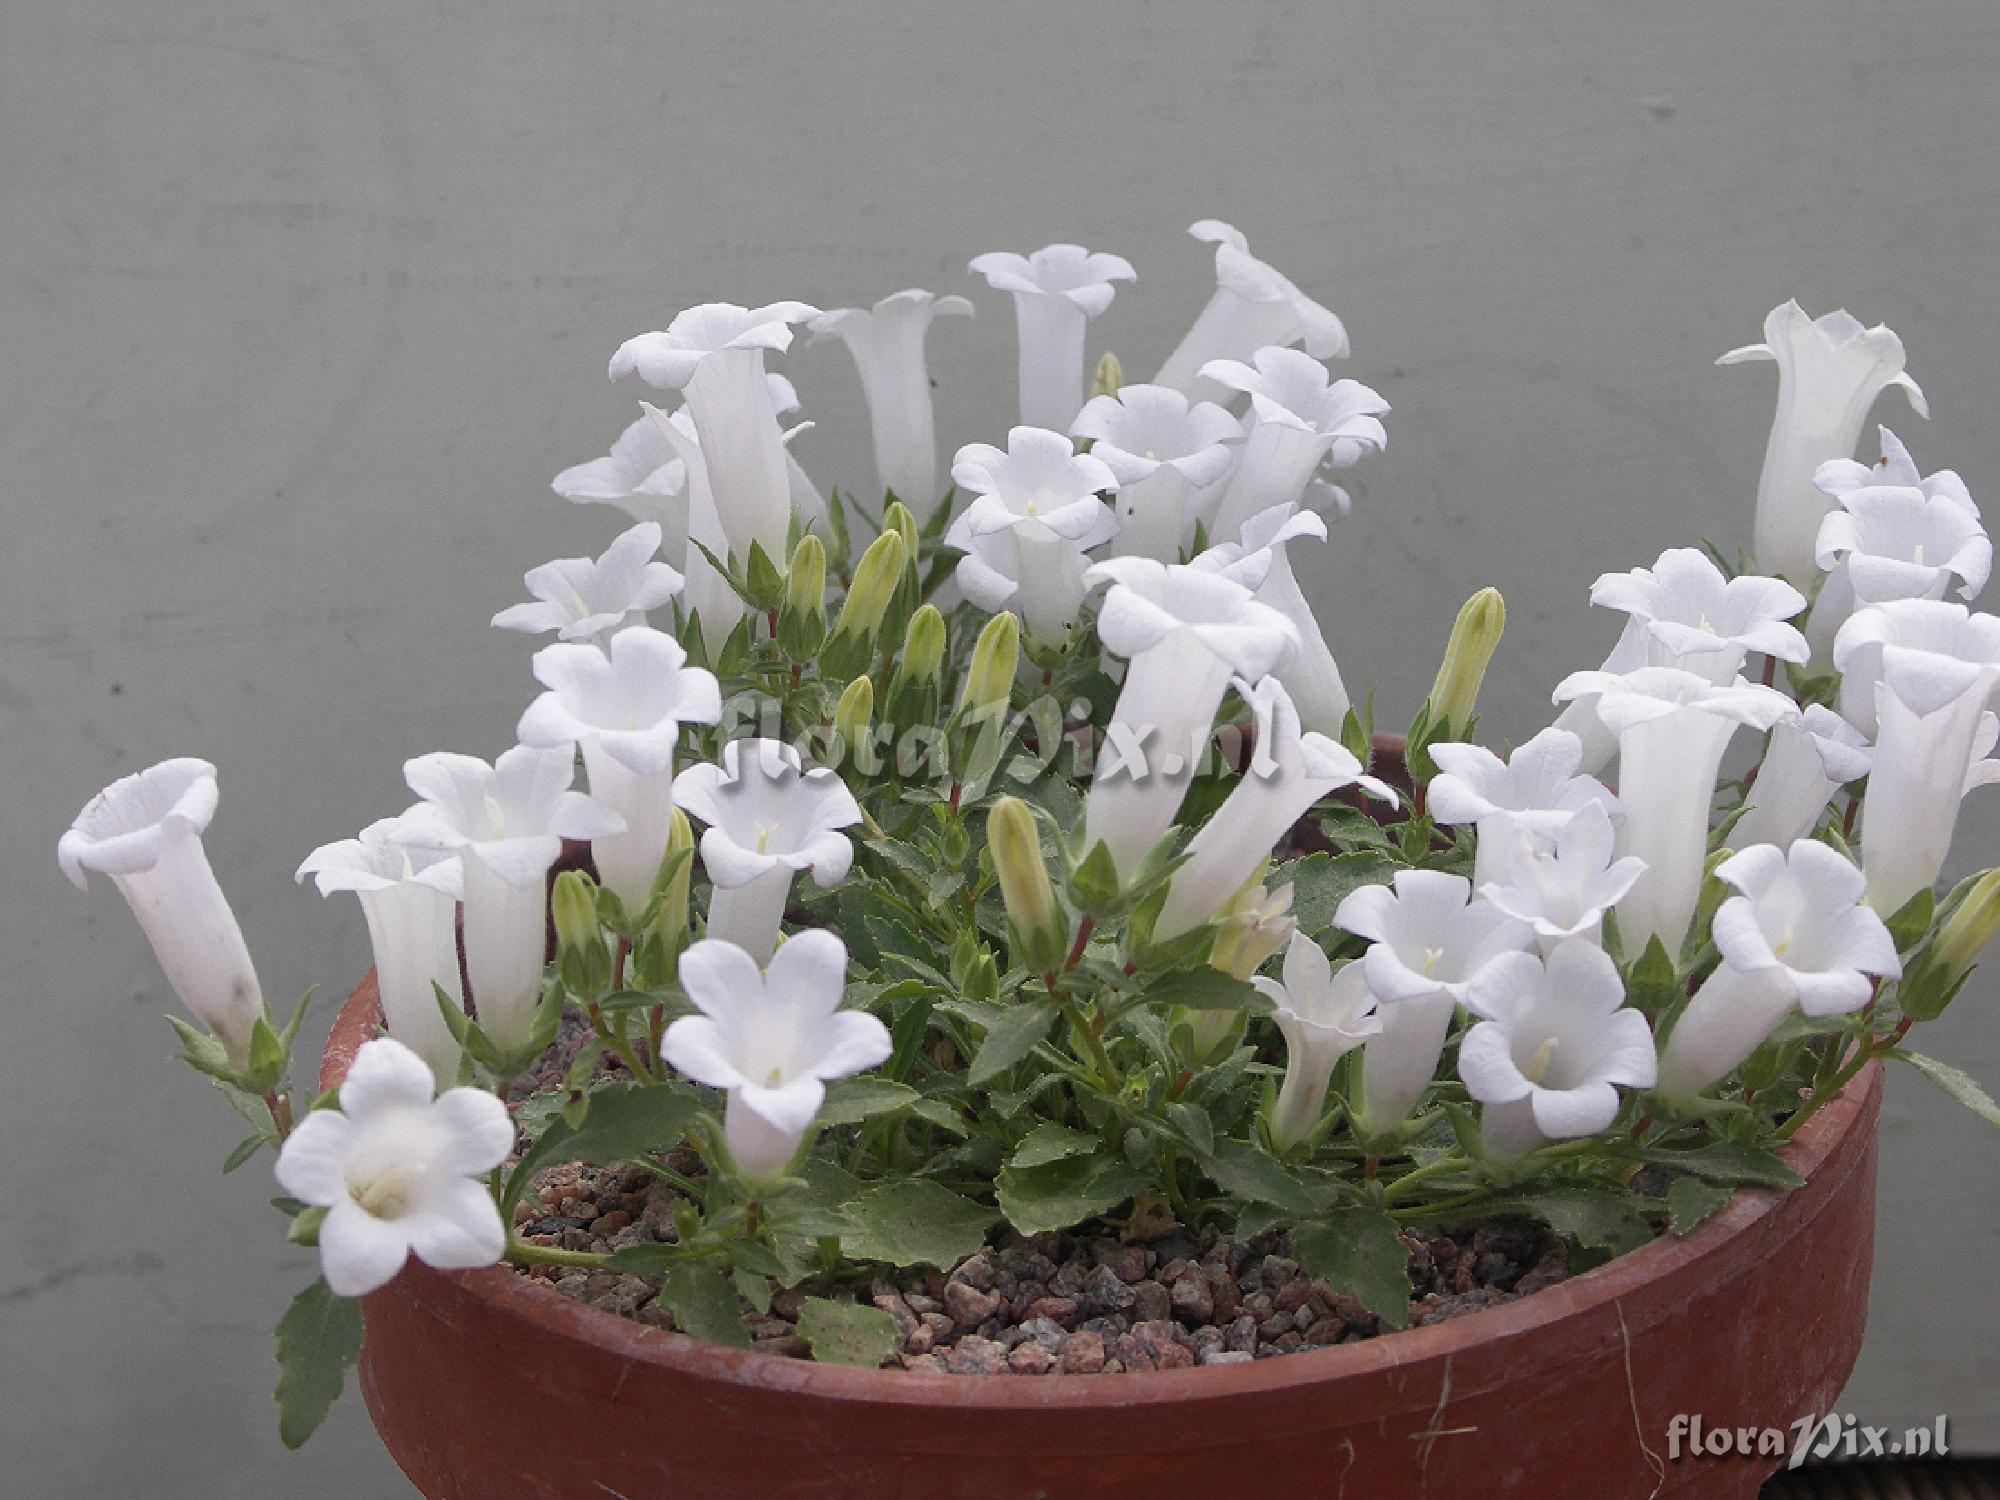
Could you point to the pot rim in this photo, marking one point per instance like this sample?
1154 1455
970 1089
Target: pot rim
517 1298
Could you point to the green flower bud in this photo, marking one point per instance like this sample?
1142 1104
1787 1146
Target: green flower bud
1473 640
874 587
1041 935
802 621
924 645
898 518
1934 980
989 677
853 716
573 903
1110 376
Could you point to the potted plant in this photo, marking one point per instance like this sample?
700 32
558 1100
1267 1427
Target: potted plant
999 1021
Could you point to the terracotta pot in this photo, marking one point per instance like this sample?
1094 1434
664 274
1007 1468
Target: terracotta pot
486 1386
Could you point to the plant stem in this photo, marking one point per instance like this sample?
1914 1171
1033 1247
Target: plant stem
1107 1074
548 1255
1449 1163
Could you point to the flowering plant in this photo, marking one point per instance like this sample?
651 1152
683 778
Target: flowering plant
1047 874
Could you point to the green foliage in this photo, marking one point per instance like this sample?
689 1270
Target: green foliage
319 1337
1357 1251
847 1333
914 1222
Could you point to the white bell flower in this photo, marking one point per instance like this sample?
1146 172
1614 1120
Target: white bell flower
1795 934
1561 887
1254 307
144 831
1290 771
624 711
1323 1015
507 822
1840 477
1184 633
1553 1043
1673 727
399 1172
771 1039
1804 765
1886 543
642 476
1161 450
1830 370
581 598
887 342
409 898
1536 790
1056 290
767 818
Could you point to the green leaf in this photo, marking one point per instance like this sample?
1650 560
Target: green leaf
1321 882
847 1333
914 1222
1011 1037
1690 1200
1595 1220
318 1338
1063 1194
245 1149
1354 828
1357 1251
1049 1142
704 1304
1243 1171
1730 1162
624 1121
1207 989
1653 984
852 1100
1954 1081
1912 921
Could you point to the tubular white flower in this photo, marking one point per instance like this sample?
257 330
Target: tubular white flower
1830 370
1839 477
1673 727
1184 633
144 831
1161 450
1057 290
507 821
399 1172
642 476
1254 307
1323 1014
1795 935
1804 765
1299 419
625 712
771 1039
709 600
887 342
1429 938
767 818
1025 534
1535 791
714 354
581 599
808 504
1289 771
1920 675
1261 561
1563 887
1882 543
1554 1041
409 898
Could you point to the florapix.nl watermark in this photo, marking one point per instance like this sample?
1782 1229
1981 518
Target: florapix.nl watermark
1830 1436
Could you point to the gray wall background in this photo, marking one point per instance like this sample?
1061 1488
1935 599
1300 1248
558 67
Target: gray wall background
303 305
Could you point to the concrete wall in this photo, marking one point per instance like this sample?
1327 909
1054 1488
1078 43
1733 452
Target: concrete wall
304 303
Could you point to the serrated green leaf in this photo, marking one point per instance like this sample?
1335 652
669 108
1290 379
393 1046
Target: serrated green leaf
704 1304
1954 1081
1244 1171
622 1121
1691 1200
1321 882
1063 1194
1207 989
1730 1162
1049 1142
914 1222
1357 1251
847 1333
1011 1036
1594 1219
852 1100
1194 1125
318 1338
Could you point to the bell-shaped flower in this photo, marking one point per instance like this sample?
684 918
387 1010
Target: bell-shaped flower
767 818
144 831
507 821
582 598
1840 477
1562 888
1254 307
1025 534
1535 791
771 1039
409 898
1289 772
1795 933
714 355
1554 1041
1323 1015
1161 450
710 603
1806 762
1261 560
399 1173
809 509
1887 543
624 710
887 342
1920 675
1057 290
1429 937
1684 612
642 476
1184 633
1830 370
1300 418
1673 727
